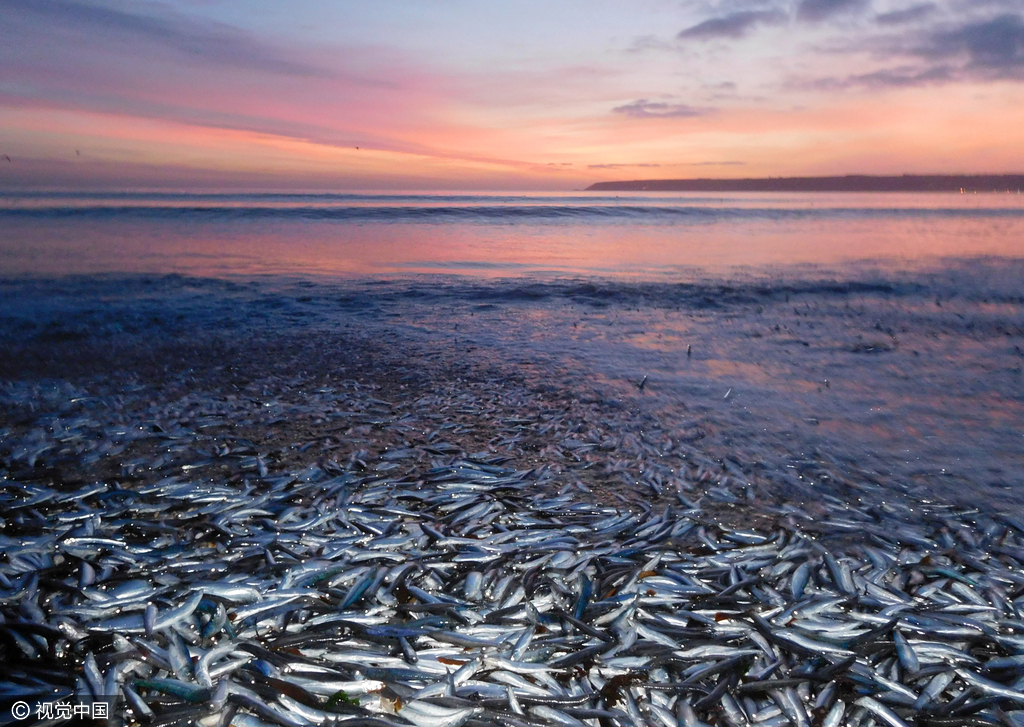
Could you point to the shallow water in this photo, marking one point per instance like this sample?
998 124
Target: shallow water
308 408
880 336
914 379
910 380
628 235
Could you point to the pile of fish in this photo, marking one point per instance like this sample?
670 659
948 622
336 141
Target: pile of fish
468 594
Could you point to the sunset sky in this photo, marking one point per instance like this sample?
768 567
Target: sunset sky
519 94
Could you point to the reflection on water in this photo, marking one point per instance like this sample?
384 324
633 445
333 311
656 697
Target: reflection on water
913 378
628 235
827 328
910 378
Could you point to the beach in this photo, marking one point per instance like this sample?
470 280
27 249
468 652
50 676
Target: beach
785 494
512 364
913 381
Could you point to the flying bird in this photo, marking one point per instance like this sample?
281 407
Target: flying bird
5 158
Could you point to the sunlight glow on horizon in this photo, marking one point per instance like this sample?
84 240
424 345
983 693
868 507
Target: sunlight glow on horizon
104 94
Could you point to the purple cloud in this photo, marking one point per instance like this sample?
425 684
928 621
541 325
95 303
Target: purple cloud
900 77
815 10
907 15
735 25
101 25
644 109
993 47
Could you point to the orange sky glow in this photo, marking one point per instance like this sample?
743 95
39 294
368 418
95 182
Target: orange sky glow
338 96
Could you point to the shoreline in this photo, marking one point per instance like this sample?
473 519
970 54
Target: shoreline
233 503
581 346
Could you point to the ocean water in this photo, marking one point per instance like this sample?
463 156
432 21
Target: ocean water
881 336
630 234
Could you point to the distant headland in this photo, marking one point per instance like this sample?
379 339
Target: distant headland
848 183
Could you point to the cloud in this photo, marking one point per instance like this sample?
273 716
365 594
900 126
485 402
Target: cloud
978 50
735 25
907 15
900 77
644 109
993 47
648 42
716 164
106 25
815 10
619 166
906 77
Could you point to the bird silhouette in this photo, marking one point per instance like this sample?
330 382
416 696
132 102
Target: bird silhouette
5 158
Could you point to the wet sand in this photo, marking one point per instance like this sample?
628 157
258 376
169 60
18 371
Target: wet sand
294 502
789 390
136 400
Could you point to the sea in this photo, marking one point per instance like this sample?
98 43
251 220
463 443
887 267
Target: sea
882 334
625 235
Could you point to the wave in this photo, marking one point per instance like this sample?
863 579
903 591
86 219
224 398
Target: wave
491 214
988 279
